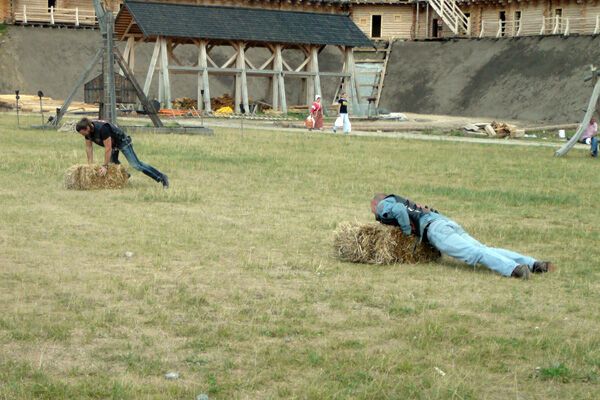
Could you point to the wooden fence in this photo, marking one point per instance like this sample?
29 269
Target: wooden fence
541 26
55 16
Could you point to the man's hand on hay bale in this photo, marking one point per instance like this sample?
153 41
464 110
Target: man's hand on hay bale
103 170
380 244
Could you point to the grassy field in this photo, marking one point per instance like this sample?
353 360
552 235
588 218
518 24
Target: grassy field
233 283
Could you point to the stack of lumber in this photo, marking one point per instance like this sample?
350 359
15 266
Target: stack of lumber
31 103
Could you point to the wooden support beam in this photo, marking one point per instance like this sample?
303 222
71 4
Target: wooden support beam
280 81
164 64
244 78
350 83
185 69
315 69
202 62
269 61
151 68
309 81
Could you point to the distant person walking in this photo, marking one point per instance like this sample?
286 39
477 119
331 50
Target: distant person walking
113 139
343 114
316 112
590 136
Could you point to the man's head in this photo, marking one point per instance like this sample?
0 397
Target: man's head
318 98
376 200
592 121
343 95
84 126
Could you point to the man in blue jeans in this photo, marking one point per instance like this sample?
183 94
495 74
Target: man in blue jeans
113 139
450 238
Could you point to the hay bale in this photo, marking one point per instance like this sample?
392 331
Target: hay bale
87 177
379 244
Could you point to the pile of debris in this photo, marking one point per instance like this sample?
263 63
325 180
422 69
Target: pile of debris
185 103
224 101
495 129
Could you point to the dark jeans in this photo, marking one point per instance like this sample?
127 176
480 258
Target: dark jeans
135 162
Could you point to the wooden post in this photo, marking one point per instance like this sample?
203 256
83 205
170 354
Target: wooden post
280 80
24 14
315 68
76 16
349 82
543 25
238 82
203 63
131 61
274 82
597 26
243 77
417 23
164 65
152 67
310 80
108 69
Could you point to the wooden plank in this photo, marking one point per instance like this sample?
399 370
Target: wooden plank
164 63
151 67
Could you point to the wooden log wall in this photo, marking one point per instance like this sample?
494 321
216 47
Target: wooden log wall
396 20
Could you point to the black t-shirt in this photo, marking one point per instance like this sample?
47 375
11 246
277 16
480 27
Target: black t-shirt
343 105
104 130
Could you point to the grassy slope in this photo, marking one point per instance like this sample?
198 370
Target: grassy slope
233 284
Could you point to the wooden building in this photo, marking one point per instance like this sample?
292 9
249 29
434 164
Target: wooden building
240 30
384 19
378 19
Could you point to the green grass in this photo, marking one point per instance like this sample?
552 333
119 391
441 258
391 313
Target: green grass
233 283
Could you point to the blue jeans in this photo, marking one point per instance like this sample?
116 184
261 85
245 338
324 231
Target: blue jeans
135 162
451 239
593 145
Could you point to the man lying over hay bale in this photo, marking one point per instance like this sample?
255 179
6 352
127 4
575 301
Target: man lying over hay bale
450 238
89 177
380 244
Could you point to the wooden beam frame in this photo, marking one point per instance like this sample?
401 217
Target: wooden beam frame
239 66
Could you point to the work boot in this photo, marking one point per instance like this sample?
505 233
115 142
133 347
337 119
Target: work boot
165 181
521 272
540 267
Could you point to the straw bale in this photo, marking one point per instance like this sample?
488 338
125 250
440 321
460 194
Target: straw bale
87 177
376 243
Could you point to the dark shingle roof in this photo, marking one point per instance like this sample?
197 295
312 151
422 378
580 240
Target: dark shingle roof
247 24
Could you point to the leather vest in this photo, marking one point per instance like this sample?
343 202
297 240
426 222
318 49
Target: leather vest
414 210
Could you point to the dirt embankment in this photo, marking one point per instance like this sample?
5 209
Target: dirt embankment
52 60
536 79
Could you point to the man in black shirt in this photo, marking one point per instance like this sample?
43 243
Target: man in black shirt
113 139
